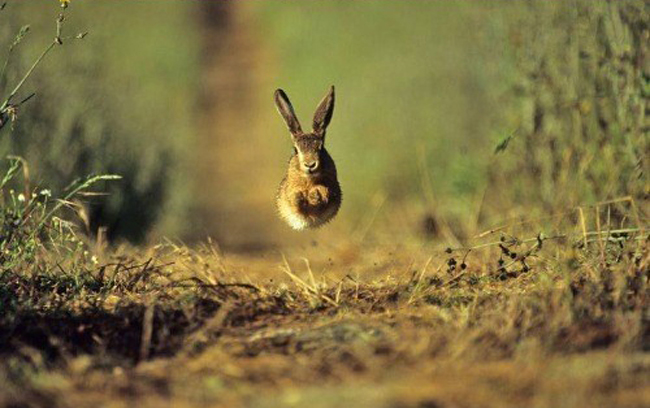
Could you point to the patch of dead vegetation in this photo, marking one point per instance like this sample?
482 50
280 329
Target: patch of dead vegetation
176 324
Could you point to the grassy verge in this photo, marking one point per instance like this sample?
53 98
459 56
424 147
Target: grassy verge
99 104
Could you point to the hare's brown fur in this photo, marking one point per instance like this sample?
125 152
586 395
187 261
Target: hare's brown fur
309 195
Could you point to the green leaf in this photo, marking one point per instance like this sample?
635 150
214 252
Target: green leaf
503 145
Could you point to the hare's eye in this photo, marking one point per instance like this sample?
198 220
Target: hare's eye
295 150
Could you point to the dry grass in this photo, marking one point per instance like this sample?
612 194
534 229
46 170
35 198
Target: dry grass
561 325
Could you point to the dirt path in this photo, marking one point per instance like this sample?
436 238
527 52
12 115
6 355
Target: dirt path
235 179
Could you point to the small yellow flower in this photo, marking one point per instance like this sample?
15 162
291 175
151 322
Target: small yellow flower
64 3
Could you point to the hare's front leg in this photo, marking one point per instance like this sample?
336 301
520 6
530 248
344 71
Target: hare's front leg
318 195
300 199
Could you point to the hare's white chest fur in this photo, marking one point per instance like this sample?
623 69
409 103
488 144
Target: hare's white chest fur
300 222
295 220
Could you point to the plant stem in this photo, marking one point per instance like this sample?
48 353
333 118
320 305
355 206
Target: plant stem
74 189
27 75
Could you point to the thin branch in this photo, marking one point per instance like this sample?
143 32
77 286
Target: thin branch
58 40
27 75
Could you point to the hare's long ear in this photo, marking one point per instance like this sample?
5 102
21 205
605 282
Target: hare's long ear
287 112
324 112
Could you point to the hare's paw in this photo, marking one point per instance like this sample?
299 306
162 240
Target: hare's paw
300 200
317 196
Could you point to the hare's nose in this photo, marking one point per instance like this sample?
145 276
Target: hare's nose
311 166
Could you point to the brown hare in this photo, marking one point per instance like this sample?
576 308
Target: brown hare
309 195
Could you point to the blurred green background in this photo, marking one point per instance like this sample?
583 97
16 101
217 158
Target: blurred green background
450 116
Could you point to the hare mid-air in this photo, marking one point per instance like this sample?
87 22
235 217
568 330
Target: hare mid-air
309 195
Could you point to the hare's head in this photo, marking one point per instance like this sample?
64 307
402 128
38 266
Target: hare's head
308 146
